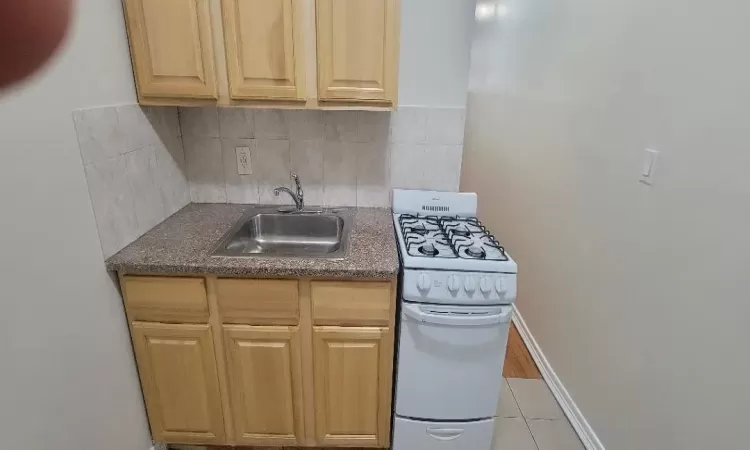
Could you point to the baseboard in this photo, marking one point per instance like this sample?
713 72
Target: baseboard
580 425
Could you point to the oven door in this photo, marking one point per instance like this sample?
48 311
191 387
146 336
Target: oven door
450 361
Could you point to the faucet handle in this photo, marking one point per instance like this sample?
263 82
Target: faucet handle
300 193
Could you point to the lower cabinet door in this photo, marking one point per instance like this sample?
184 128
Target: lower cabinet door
265 378
177 366
353 373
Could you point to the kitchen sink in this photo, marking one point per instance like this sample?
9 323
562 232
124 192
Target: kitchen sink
316 234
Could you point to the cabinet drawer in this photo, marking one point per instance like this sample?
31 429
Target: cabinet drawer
165 299
258 302
351 303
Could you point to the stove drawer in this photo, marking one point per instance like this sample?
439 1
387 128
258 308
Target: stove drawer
416 435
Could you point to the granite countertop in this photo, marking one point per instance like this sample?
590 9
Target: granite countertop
182 245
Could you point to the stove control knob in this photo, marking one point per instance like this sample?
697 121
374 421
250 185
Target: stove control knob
454 284
485 285
501 286
423 283
470 285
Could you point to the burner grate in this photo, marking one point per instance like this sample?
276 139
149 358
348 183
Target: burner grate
433 236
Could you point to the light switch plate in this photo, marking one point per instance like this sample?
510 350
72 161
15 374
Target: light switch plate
649 166
243 160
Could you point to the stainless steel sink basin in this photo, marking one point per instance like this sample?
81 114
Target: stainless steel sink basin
296 234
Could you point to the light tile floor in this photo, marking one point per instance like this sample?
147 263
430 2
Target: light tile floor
531 419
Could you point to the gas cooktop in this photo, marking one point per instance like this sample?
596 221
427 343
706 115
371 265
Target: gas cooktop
439 230
449 237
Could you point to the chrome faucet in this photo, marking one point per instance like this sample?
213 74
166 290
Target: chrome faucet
299 197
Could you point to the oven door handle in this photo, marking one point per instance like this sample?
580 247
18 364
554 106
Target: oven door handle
423 314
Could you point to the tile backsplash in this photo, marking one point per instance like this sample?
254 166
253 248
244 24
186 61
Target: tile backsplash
135 168
142 164
343 158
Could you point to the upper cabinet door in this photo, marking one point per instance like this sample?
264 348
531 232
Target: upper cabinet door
358 50
177 366
264 49
171 46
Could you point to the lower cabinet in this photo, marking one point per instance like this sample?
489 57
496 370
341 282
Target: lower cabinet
180 384
269 363
265 384
352 369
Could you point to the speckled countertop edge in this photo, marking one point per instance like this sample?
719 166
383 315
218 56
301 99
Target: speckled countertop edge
182 245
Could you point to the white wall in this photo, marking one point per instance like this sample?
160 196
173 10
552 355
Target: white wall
434 58
635 293
68 377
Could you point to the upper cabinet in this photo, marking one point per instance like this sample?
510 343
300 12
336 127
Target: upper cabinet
357 49
289 53
172 49
263 49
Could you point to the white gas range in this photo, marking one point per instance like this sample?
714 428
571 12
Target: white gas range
456 292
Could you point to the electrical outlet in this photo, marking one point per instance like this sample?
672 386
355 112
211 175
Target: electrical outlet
243 160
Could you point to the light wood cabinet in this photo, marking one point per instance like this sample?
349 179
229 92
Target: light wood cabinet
261 53
172 48
357 49
263 49
292 363
180 383
258 302
265 381
352 386
166 299
351 303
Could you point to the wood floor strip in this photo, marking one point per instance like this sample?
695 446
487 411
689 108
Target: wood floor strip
518 362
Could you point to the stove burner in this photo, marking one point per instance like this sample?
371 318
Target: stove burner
428 250
476 252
